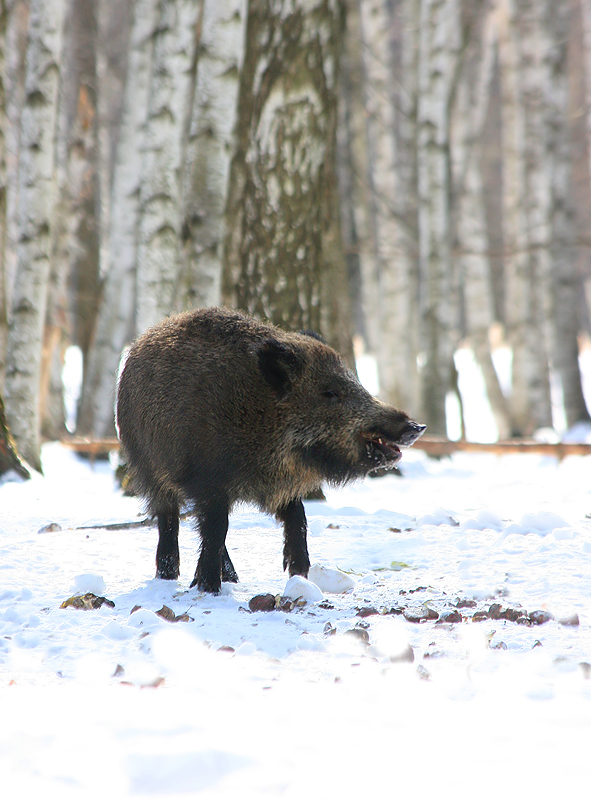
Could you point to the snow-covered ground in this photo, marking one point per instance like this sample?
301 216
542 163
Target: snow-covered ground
227 703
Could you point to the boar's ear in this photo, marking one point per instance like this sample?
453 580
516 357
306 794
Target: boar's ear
279 364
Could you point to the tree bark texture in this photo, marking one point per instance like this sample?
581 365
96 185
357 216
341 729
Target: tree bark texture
116 323
209 151
37 195
438 54
163 158
283 259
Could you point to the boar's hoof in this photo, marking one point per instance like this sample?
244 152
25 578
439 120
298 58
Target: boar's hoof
167 569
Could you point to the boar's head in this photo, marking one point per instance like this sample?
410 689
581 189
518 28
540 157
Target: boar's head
329 419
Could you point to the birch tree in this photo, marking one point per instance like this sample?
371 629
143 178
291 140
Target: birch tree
164 147
565 284
283 259
438 55
526 217
209 151
37 194
3 199
116 324
390 71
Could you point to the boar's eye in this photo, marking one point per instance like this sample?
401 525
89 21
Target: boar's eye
331 395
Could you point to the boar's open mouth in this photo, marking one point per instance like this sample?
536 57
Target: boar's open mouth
382 452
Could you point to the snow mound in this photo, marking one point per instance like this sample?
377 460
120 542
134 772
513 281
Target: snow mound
89 583
299 587
330 580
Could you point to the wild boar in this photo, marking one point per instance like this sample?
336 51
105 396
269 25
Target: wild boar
215 407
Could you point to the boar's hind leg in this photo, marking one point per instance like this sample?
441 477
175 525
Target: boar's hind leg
295 529
229 574
167 553
213 526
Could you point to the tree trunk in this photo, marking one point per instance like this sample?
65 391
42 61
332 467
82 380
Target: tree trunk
3 199
74 285
390 101
283 258
37 195
472 243
566 284
158 254
526 218
115 325
9 460
438 53
209 151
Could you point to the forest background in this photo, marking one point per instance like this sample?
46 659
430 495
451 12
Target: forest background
404 176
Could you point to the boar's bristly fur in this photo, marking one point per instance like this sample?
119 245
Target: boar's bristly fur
215 407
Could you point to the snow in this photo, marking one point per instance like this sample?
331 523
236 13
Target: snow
330 699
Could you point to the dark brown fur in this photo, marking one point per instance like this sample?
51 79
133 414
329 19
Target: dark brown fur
214 408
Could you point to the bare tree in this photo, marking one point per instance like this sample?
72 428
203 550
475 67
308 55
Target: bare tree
209 151
283 259
115 324
165 142
37 194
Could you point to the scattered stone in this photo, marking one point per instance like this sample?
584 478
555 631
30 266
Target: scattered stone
515 614
498 646
52 527
420 613
326 605
495 611
407 656
87 602
452 615
537 643
480 616
262 602
586 667
119 672
539 617
169 615
286 604
359 633
225 648
464 602
329 629
395 610
423 673
134 609
332 527
366 611
297 587
571 621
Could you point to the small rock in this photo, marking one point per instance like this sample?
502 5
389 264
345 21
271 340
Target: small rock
119 672
359 633
52 527
297 587
539 617
423 673
480 616
572 620
452 615
329 629
514 614
167 614
498 646
87 602
495 611
262 602
407 656
286 604
366 611
464 602
326 605
134 609
330 580
586 667
420 613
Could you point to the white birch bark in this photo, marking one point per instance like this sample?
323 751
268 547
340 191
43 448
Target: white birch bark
116 318
526 221
37 193
158 254
439 45
565 284
210 149
389 290
3 198
469 117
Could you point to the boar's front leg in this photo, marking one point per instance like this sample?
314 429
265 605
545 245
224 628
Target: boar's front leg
295 530
213 527
167 552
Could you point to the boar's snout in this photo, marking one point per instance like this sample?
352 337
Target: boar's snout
411 433
382 442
